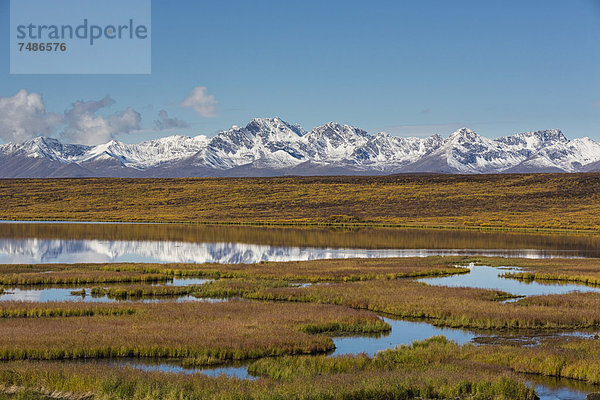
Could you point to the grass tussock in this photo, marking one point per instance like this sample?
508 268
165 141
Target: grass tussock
546 277
445 306
302 271
75 274
343 270
142 292
433 368
435 352
14 309
340 270
571 357
307 378
230 331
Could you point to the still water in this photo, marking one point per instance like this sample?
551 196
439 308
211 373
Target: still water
45 251
235 371
485 277
49 294
164 243
403 332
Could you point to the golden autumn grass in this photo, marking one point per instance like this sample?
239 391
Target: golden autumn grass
338 302
79 277
313 271
65 274
133 292
208 333
16 309
574 358
304 236
433 368
566 357
232 330
111 382
532 201
305 271
444 306
380 285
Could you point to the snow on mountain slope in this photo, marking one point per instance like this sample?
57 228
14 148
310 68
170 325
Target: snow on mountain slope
148 154
269 139
44 147
535 140
567 156
334 142
466 152
274 147
385 152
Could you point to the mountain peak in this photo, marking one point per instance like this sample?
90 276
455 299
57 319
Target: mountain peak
339 129
269 120
268 126
463 131
463 134
42 141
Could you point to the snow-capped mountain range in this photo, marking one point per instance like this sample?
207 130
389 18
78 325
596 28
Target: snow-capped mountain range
271 147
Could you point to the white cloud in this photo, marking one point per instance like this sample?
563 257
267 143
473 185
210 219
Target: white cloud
203 103
164 123
84 126
23 116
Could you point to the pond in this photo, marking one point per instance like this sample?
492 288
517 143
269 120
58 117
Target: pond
163 243
36 243
403 332
548 388
49 294
317 237
236 370
60 294
485 277
42 251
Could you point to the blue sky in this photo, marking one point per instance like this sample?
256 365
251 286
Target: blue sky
404 67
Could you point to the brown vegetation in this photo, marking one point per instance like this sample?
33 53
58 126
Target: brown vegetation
447 306
306 236
553 201
425 371
232 330
305 271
